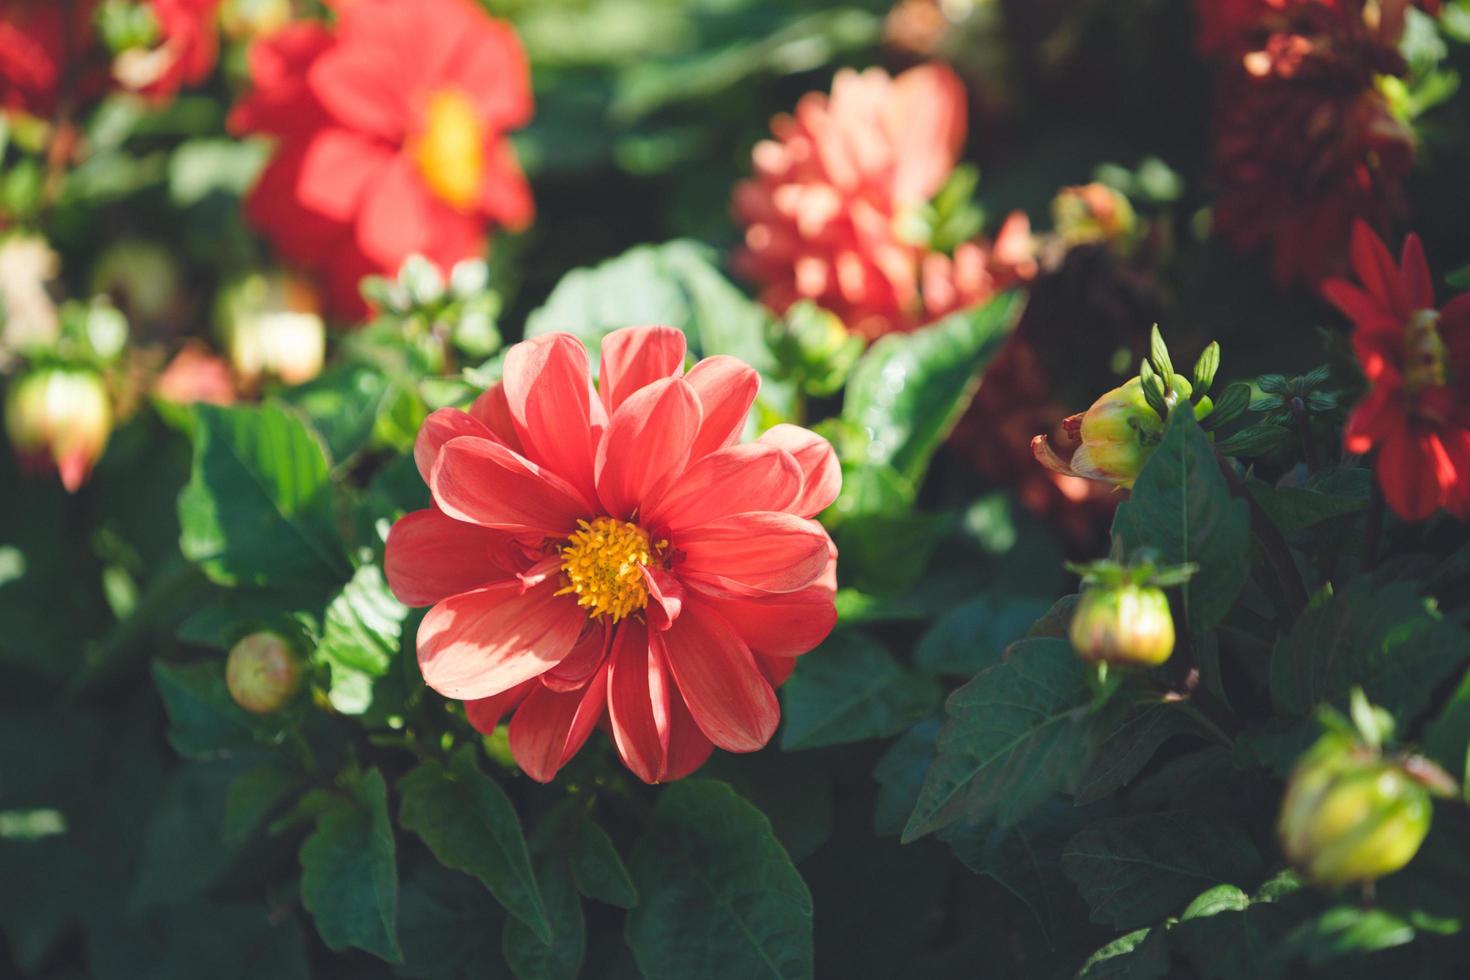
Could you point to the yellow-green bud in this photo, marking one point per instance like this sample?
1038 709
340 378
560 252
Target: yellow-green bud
1123 625
1351 816
58 419
1093 213
1117 435
262 673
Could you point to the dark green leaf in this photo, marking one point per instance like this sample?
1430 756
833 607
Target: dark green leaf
1135 869
1347 931
470 825
1181 507
1383 639
717 892
597 868
253 796
258 507
1256 440
361 638
908 390
349 874
848 690
204 721
1142 954
184 849
450 927
1294 509
973 637
1126 734
1016 734
900 776
887 554
533 958
343 405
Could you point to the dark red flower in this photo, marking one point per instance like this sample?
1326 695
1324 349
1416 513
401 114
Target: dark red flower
1417 362
40 45
391 138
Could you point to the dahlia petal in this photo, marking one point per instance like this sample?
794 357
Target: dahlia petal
440 427
1456 492
483 482
397 217
783 626
821 473
763 551
430 557
338 169
729 697
689 748
726 387
485 642
1418 285
1454 330
1376 268
493 411
1047 456
1407 470
484 714
360 84
491 68
665 597
733 480
1366 311
505 195
551 726
1376 418
926 120
556 413
586 658
646 444
638 697
776 670
637 356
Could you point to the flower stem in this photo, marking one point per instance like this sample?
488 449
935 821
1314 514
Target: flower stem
1273 545
1303 416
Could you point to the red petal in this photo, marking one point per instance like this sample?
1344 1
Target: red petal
1376 268
637 356
484 642
338 170
665 597
731 700
1407 471
430 557
397 217
785 625
777 670
551 726
586 658
1376 418
821 472
1367 312
689 748
550 396
1418 285
440 427
361 85
485 483
733 480
765 552
638 702
646 444
484 714
492 409
726 388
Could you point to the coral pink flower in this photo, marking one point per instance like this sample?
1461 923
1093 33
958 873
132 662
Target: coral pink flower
1416 358
187 49
822 213
614 556
391 138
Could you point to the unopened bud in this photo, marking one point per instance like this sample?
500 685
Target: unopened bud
1123 624
1093 213
58 419
272 329
262 673
1111 440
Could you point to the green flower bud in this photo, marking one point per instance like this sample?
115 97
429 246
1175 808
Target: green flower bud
262 673
272 328
1123 624
1349 815
1113 438
1093 213
58 419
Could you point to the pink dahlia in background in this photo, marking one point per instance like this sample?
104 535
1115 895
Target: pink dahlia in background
1305 141
187 48
391 138
822 214
614 556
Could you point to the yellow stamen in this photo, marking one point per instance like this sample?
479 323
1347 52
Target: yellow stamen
451 150
603 564
1426 361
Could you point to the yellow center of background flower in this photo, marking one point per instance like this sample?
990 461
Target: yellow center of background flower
1426 361
603 563
451 150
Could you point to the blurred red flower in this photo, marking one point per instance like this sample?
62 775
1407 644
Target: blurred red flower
616 553
1417 410
822 215
1305 142
391 138
40 44
187 48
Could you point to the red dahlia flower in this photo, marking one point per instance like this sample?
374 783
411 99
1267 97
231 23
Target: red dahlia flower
391 138
615 556
1305 142
40 42
185 54
822 213
1417 360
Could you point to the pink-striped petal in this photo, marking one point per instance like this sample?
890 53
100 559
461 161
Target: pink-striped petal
483 482
635 357
551 726
785 625
556 413
760 552
493 410
430 557
638 698
729 697
585 660
484 714
689 748
440 427
820 472
646 445
733 480
726 387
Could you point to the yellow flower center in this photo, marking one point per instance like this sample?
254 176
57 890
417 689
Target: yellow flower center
1426 361
451 150
603 564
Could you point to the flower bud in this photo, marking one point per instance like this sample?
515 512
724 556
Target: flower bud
243 20
58 419
1124 624
1093 213
1350 815
1112 439
272 329
262 673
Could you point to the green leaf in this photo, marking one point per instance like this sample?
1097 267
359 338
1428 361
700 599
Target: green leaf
184 850
253 796
1181 507
900 776
1142 954
204 722
450 927
470 825
360 638
850 689
1381 638
974 636
533 958
343 405
1135 869
1260 439
597 868
886 554
1016 734
1294 509
1225 939
717 892
1126 734
1447 737
258 507
202 167
349 874
909 390
1347 931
